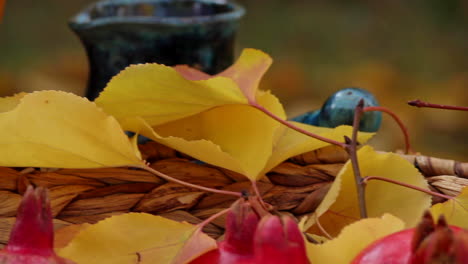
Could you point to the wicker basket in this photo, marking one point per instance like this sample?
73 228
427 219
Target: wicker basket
296 186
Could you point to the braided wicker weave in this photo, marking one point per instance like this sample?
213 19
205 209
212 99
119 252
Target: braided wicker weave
296 186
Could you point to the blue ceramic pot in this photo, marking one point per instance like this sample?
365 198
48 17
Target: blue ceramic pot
117 33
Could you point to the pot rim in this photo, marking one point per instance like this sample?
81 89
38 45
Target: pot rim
82 20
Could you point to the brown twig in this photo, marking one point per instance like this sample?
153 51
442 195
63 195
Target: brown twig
351 148
419 103
399 122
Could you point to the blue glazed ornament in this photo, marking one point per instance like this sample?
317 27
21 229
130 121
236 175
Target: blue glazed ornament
339 110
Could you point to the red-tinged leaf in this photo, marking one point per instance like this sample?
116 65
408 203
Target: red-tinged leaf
247 72
190 73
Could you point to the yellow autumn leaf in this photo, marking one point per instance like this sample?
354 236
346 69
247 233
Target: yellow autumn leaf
58 129
292 143
353 239
454 210
137 238
10 102
340 208
209 118
160 94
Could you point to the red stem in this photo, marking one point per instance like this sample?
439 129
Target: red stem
397 119
298 129
257 193
195 186
419 103
369 178
212 217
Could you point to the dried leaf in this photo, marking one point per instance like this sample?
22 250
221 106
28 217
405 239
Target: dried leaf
352 239
137 238
454 210
58 129
340 207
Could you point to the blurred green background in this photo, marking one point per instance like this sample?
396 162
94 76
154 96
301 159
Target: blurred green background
399 50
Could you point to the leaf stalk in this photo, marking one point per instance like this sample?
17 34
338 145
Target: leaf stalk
400 123
298 129
195 186
410 186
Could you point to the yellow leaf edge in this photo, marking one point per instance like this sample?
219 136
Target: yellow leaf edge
353 239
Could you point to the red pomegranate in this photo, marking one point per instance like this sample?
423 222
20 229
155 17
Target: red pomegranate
32 237
428 243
